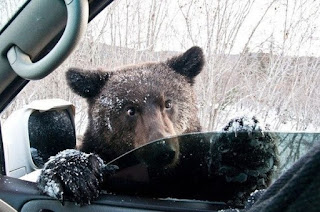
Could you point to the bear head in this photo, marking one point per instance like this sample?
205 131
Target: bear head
133 105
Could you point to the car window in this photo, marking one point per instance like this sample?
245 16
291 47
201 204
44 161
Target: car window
262 59
250 67
154 170
8 9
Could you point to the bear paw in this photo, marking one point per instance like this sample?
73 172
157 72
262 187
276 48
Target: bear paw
73 175
244 156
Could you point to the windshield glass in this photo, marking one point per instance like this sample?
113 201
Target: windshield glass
186 166
8 8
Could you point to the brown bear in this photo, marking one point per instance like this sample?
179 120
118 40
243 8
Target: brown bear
137 104
127 108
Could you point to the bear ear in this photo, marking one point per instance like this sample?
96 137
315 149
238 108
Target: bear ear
188 64
87 84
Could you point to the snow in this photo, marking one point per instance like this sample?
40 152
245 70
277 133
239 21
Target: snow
108 124
243 124
269 120
230 210
52 189
251 200
105 101
69 162
67 153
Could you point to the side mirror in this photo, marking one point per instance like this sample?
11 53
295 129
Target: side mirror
34 133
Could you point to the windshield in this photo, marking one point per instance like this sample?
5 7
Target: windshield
8 9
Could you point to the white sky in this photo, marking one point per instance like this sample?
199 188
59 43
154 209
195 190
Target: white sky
302 23
303 35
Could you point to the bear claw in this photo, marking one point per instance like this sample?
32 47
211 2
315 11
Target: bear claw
74 175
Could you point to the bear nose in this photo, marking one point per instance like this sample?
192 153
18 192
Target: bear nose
152 125
158 126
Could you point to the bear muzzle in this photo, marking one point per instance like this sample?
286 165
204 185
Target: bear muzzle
153 126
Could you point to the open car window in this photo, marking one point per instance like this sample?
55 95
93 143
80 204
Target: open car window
243 76
262 59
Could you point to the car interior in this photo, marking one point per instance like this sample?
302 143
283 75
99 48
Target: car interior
31 54
36 40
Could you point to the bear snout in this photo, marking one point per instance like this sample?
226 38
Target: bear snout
152 126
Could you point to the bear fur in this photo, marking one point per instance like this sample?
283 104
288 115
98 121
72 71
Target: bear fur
128 108
137 104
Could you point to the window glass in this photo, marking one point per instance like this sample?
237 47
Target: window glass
7 9
154 169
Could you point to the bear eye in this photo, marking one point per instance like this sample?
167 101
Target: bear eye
131 111
168 104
